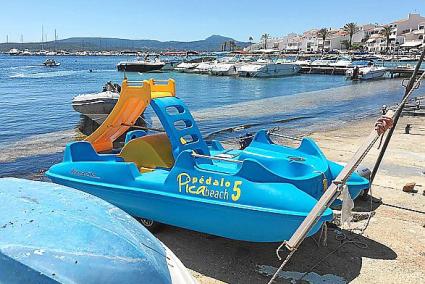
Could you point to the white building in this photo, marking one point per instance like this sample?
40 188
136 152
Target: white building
365 31
401 27
406 33
415 38
376 43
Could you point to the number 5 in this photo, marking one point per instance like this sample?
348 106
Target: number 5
237 190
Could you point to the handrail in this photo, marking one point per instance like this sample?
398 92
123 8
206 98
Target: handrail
196 155
285 136
135 82
157 80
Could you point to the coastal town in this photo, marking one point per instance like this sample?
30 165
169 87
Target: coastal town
399 36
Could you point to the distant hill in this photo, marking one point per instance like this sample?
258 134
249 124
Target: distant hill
212 43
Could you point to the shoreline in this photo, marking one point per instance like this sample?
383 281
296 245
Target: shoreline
395 236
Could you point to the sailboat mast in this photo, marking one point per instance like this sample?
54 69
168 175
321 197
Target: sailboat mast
42 36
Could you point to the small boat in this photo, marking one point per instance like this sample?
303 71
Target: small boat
97 106
51 63
26 52
342 62
190 65
325 61
266 68
186 67
259 194
142 66
56 234
14 52
226 67
366 73
203 67
171 63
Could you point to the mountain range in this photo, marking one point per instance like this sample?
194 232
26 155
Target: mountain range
212 43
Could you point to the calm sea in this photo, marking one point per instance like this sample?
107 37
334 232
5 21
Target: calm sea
36 117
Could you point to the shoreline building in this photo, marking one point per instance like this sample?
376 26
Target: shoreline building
406 34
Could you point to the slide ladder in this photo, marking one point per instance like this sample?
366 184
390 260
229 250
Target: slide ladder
179 125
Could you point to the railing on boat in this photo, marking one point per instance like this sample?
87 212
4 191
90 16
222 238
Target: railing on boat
285 136
196 155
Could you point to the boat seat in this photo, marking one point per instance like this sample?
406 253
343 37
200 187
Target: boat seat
149 152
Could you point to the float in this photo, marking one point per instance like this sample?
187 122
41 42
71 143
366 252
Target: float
260 194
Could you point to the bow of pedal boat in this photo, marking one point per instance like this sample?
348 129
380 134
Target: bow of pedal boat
51 233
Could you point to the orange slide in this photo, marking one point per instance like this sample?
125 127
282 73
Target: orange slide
134 98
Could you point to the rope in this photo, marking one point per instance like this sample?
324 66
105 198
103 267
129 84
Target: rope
281 266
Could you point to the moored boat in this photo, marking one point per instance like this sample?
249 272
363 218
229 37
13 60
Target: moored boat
226 67
366 73
180 179
268 69
142 65
97 106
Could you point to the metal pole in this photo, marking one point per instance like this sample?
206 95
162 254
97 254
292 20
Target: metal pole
396 117
335 188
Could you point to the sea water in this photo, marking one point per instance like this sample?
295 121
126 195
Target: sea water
37 120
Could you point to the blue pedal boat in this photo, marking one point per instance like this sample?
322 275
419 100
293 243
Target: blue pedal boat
53 234
259 194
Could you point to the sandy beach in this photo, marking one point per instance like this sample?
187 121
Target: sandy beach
391 249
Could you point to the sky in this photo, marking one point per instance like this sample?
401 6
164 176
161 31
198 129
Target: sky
190 19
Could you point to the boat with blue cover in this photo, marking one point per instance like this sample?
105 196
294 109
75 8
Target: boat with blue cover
261 193
53 234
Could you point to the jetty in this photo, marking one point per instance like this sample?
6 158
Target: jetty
333 70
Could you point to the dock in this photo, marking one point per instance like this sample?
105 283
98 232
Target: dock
328 70
394 72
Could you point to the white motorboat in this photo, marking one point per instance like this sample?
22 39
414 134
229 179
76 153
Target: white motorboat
26 52
97 106
267 69
142 65
204 67
366 73
323 62
343 62
189 65
186 67
228 66
14 51
51 63
302 62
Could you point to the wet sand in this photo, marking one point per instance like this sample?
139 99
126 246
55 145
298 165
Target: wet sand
391 250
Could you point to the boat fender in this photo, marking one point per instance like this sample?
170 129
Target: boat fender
364 172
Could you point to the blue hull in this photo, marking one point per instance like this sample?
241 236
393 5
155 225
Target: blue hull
259 194
54 234
239 222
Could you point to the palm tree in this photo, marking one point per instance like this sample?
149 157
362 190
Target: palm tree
250 39
323 34
351 29
345 43
386 32
265 37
